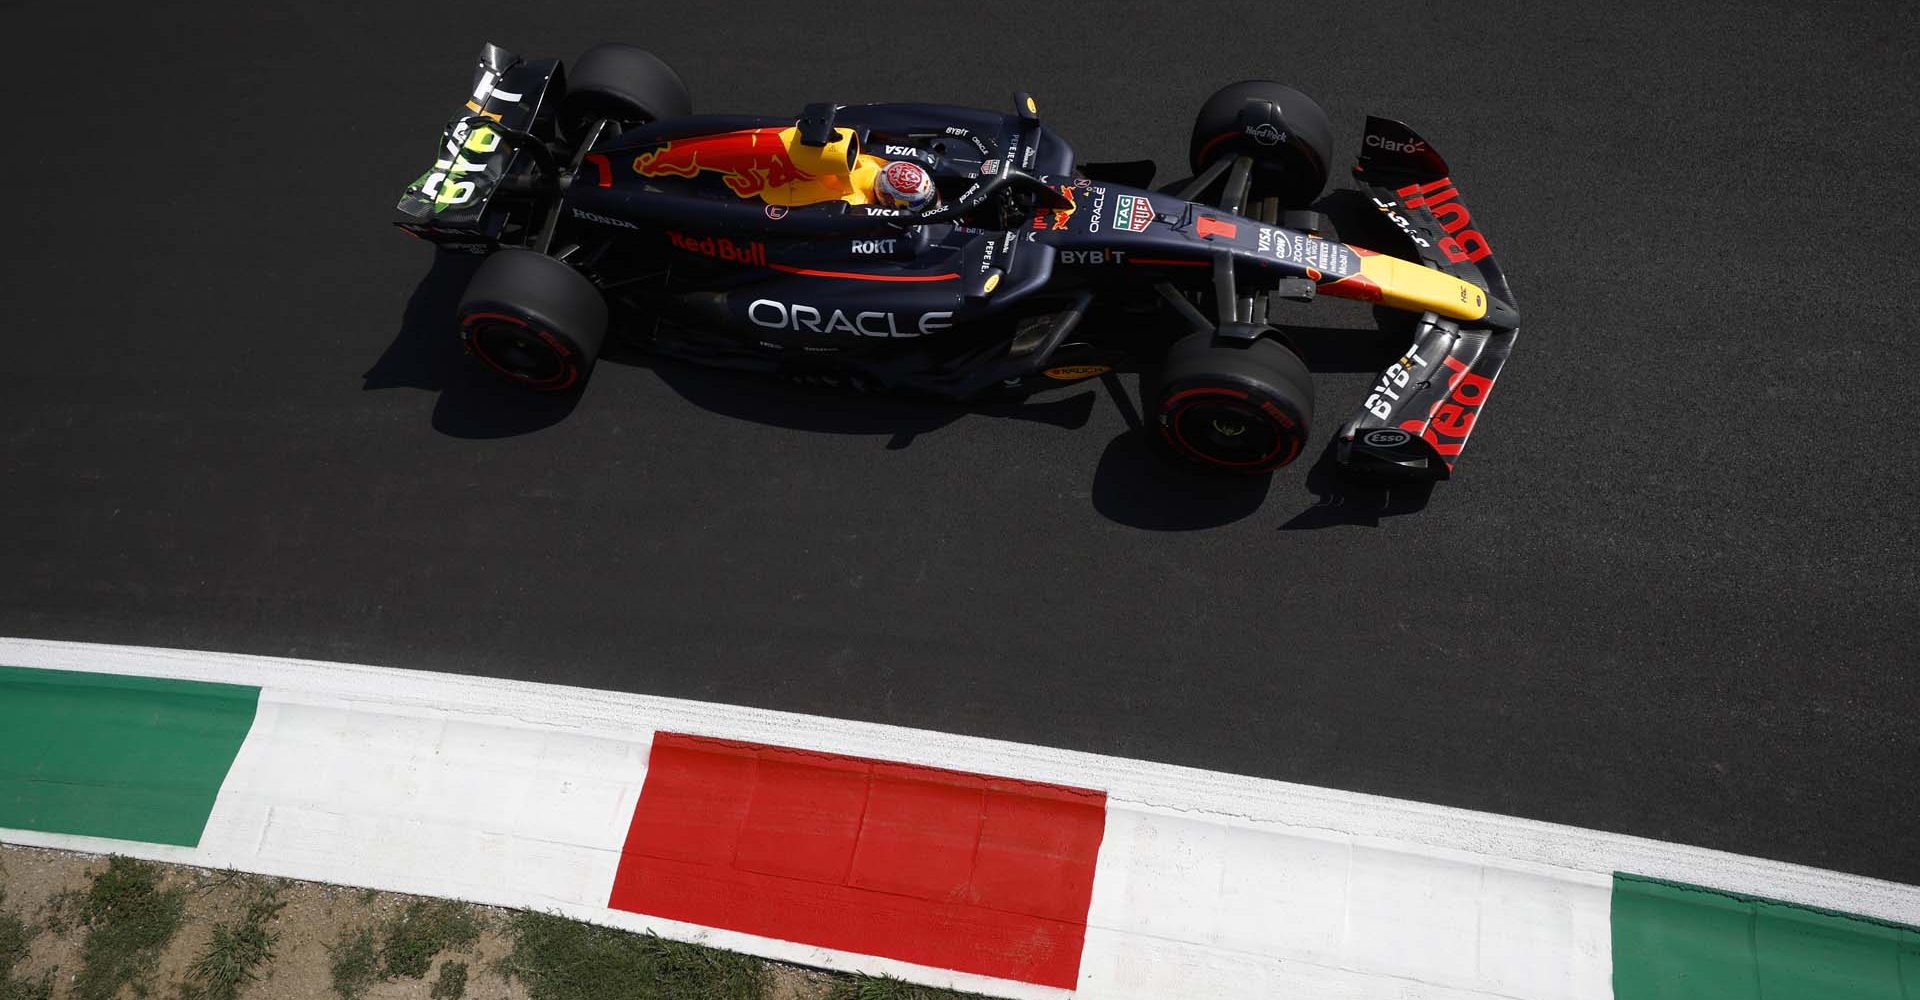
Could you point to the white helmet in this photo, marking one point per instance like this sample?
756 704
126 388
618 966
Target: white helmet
904 184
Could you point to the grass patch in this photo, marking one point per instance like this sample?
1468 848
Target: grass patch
354 965
888 988
239 948
561 959
452 982
62 911
15 937
423 930
129 919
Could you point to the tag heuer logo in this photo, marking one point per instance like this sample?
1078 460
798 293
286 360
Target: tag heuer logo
1133 213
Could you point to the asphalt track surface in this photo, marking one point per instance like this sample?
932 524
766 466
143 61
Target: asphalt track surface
1672 593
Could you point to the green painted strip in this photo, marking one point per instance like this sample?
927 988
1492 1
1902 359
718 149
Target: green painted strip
131 758
1681 942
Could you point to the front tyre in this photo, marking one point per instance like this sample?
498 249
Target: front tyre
627 84
1234 407
533 319
1291 140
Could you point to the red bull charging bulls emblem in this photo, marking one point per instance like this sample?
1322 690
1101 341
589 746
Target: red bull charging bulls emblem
750 162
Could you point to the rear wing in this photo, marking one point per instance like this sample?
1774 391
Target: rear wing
1418 415
452 203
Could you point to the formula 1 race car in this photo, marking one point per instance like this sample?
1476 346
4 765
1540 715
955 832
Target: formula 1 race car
955 251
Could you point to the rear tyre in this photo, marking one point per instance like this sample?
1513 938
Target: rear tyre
1291 146
627 84
533 319
1234 407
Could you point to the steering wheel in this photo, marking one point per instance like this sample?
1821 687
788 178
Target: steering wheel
981 194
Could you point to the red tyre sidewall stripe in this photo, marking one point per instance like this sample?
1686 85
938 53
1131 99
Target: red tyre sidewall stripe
1170 429
571 374
1215 141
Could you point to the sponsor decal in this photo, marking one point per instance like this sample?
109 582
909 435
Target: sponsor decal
776 212
989 168
874 246
1377 142
721 248
1099 204
1386 437
1461 245
1056 218
1026 158
1265 134
485 91
1208 227
748 161
605 220
1316 257
776 315
1392 382
442 184
1093 256
1451 420
899 151
1413 234
1074 373
1132 213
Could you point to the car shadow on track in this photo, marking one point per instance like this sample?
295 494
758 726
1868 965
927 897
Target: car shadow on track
1133 484
1139 487
1339 501
426 354
823 409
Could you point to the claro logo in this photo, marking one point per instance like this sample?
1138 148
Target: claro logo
1378 142
776 315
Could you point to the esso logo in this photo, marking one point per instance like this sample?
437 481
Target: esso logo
1387 438
906 178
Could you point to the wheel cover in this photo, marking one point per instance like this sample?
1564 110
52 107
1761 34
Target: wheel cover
519 351
1227 428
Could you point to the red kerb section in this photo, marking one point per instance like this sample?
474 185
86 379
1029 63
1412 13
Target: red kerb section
940 868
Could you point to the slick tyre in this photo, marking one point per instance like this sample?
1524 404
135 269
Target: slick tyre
1291 142
1233 407
627 84
534 320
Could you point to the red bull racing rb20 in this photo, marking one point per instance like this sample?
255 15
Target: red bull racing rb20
958 252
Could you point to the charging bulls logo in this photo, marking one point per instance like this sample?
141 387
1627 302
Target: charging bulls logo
1056 218
750 161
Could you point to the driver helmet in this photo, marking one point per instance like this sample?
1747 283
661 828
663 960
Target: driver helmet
904 184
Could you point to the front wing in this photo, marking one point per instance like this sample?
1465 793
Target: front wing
1416 418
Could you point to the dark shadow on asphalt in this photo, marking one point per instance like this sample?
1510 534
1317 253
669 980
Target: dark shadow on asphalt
426 354
1136 486
823 409
1341 501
